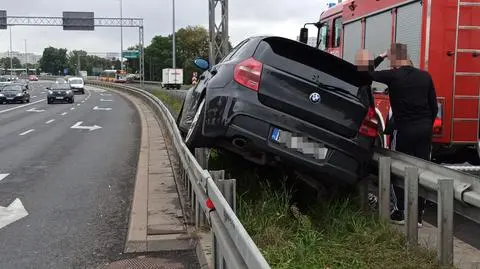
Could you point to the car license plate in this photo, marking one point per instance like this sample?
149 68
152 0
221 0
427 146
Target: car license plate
9 98
59 97
300 144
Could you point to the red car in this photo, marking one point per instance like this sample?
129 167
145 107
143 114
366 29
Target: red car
33 78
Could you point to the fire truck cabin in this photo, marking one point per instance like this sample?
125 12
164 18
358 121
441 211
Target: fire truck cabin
442 37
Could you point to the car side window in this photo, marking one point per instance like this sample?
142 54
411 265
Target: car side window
246 50
234 50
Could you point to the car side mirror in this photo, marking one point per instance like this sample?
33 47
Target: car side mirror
201 63
47 88
303 35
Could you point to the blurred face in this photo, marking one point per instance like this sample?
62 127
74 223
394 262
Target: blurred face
362 60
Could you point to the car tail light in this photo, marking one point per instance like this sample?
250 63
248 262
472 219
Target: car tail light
248 73
438 122
369 125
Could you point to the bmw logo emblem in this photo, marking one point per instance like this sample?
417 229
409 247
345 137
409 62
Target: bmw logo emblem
314 97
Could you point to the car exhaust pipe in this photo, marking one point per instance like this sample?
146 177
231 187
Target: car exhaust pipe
239 142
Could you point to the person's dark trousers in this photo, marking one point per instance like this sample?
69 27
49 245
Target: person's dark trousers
415 139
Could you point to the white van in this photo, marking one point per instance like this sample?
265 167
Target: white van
77 84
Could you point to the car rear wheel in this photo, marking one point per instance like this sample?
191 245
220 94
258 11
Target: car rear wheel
195 130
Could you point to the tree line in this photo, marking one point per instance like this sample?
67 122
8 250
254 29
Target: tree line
191 42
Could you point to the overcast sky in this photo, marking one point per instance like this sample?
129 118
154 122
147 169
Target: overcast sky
247 17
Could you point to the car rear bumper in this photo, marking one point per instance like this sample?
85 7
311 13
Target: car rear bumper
61 99
11 99
243 116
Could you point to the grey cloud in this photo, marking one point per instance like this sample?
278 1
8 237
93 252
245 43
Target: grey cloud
247 17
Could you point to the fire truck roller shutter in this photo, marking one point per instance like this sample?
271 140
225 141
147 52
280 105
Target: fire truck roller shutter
409 23
378 35
378 38
352 40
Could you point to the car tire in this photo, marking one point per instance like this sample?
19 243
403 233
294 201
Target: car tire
194 133
28 100
49 102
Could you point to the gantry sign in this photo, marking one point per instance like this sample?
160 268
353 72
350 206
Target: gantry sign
79 21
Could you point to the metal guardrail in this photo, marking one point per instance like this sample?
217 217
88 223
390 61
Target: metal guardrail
466 186
233 247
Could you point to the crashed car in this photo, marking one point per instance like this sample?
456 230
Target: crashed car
278 101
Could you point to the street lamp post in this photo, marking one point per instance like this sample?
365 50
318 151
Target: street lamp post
26 57
173 35
11 53
121 35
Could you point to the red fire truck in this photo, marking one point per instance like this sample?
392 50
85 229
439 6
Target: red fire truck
442 36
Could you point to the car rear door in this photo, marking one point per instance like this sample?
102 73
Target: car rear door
313 86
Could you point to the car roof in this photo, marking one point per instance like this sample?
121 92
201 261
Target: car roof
72 78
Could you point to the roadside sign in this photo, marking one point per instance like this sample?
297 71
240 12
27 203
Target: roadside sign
65 71
3 19
79 21
131 54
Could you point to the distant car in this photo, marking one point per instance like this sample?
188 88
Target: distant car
60 81
77 84
14 94
277 101
33 78
60 92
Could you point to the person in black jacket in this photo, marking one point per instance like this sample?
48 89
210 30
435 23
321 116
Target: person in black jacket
414 105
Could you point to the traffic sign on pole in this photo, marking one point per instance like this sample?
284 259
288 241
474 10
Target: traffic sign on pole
131 54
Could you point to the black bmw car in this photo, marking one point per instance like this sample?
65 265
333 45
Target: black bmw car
14 93
278 101
60 92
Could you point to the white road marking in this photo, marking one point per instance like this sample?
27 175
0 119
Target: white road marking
35 110
102 108
106 100
27 132
64 113
15 211
78 126
72 108
3 176
49 121
83 101
34 96
17 107
78 104
105 94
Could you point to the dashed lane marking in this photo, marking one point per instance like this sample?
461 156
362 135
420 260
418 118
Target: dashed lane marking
49 121
64 113
27 132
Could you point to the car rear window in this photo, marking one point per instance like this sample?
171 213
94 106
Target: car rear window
318 59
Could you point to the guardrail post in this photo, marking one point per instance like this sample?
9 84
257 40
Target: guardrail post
384 169
411 205
445 221
201 154
362 189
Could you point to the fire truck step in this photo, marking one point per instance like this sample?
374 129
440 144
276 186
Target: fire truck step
467 74
469 27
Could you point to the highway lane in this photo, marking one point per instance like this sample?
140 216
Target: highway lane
75 183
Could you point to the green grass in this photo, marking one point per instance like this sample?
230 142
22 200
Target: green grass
333 233
171 102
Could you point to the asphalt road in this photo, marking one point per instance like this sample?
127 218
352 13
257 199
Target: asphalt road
76 184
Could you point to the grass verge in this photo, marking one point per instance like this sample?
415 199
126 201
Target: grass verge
333 233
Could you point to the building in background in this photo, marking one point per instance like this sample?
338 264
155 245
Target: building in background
29 58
